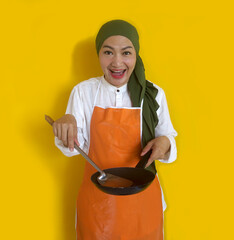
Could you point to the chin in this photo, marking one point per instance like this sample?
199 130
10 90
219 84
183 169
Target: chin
118 83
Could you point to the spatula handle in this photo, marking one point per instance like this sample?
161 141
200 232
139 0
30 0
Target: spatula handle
51 121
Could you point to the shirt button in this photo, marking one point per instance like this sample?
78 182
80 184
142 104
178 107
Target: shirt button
118 90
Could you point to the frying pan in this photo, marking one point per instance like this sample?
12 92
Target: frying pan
139 176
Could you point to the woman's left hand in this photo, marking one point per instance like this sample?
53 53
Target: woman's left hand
160 149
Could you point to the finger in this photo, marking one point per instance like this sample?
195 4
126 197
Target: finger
150 160
64 134
154 156
55 129
70 138
148 164
75 138
146 148
76 141
59 132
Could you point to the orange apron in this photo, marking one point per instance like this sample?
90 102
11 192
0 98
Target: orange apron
115 141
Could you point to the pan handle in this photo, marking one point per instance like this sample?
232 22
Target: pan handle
144 160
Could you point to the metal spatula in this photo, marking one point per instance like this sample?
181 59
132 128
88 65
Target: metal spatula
105 179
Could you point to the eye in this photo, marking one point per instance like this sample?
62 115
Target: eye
127 53
108 52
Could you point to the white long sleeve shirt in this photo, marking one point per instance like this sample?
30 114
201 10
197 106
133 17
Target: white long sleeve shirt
81 103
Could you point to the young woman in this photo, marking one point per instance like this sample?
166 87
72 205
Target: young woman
115 119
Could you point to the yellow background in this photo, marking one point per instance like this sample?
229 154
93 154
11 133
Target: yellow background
47 47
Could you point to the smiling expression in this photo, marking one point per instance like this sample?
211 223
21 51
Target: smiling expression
117 58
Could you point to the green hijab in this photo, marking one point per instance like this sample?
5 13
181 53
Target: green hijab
138 87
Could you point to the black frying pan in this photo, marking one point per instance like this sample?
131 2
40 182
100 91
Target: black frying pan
140 177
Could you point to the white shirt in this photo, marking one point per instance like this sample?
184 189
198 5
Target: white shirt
81 104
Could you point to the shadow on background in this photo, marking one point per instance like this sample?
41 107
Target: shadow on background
67 172
85 62
85 65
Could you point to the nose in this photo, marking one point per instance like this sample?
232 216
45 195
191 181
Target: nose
117 60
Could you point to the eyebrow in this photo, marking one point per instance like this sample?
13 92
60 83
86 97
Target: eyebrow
107 46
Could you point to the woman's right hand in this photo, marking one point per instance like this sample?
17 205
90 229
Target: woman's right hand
65 129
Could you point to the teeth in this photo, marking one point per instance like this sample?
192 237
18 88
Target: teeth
120 71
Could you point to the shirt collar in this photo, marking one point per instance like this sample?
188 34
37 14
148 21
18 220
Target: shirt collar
112 87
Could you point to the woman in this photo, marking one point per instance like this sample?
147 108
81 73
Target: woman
116 119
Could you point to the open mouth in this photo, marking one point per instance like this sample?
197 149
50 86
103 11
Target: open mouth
117 73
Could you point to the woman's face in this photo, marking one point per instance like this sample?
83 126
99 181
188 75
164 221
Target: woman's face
117 58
